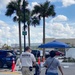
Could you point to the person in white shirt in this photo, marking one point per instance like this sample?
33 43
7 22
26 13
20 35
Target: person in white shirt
27 61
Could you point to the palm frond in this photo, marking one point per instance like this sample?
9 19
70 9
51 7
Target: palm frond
36 9
24 5
18 1
51 11
44 10
35 21
15 19
10 8
46 4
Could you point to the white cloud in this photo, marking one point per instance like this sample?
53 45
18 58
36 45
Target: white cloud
2 23
60 18
36 34
64 2
3 3
59 30
9 34
68 2
55 0
34 3
53 30
30 6
7 31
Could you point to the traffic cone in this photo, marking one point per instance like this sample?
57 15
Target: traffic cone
43 59
39 62
13 65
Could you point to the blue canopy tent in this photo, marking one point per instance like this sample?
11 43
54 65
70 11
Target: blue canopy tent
54 44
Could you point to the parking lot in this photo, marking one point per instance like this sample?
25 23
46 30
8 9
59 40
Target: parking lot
68 69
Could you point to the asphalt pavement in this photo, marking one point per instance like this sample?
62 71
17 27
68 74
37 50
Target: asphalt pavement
68 69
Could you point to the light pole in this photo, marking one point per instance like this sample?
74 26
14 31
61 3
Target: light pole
24 29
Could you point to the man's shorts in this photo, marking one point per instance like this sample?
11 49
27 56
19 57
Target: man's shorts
26 71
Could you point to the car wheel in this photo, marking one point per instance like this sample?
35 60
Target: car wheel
1 64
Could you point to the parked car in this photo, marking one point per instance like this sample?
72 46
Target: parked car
37 53
47 53
59 53
17 52
6 58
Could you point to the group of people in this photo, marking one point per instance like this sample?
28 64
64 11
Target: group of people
28 60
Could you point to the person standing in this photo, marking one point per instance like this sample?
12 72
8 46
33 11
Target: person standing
52 65
27 61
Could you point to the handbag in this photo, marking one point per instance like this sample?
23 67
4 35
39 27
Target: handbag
48 67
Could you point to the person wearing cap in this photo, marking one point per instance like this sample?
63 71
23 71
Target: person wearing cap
27 61
52 64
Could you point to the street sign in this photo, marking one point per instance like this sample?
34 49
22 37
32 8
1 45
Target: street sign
24 32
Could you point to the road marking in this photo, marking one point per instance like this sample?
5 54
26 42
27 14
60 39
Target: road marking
16 73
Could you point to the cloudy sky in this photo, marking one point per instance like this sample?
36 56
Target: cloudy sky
61 26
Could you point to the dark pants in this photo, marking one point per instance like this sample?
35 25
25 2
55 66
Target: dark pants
37 70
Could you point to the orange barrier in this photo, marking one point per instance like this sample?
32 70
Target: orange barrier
39 62
13 65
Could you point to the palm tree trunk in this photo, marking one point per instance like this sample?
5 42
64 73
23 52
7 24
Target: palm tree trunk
20 46
28 35
19 23
44 35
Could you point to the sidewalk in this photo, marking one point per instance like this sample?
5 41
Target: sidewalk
10 73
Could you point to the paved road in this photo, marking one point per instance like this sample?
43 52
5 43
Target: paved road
69 69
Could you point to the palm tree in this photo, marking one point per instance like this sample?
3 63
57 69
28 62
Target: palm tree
34 21
44 10
14 8
31 20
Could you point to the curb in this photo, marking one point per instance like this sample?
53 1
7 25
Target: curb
14 73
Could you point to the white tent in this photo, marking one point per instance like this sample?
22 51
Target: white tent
70 53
